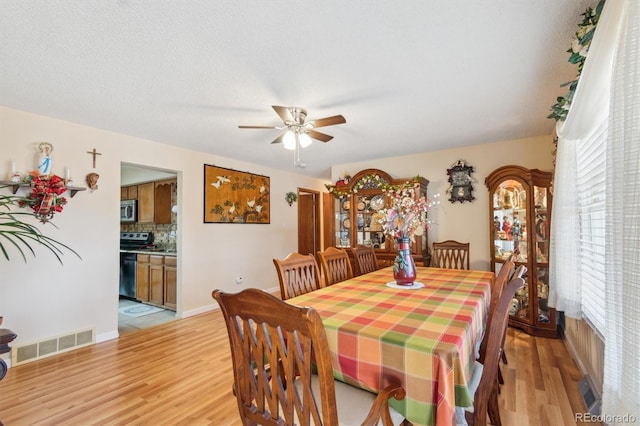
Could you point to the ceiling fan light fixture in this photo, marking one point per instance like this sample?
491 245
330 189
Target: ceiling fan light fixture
305 140
289 140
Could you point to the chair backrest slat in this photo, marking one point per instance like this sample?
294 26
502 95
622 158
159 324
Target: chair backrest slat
335 265
364 259
450 254
501 280
298 274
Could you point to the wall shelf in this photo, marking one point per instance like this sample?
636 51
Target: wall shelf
16 185
75 189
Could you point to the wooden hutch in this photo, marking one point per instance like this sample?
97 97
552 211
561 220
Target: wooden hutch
351 215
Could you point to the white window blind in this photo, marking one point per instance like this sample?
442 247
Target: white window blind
591 186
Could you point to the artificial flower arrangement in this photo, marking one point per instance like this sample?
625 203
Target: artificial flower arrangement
407 217
46 195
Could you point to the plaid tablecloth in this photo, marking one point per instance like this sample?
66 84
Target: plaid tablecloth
423 338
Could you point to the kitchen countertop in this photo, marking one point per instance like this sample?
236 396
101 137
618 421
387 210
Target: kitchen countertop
151 251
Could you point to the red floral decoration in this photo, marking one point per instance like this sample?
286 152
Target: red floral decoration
46 196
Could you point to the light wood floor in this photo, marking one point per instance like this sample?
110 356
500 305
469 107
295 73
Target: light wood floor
179 373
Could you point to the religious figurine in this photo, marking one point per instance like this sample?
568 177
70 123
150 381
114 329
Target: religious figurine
44 159
92 180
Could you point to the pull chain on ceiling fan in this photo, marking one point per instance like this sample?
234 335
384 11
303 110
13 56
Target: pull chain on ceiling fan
298 133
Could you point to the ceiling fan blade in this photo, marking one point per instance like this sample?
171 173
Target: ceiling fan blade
322 137
284 113
279 138
258 127
328 121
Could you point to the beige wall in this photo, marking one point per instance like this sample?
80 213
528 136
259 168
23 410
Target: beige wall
468 221
41 298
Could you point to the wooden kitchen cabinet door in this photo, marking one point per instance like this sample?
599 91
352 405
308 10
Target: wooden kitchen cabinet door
162 200
142 277
146 202
156 280
170 282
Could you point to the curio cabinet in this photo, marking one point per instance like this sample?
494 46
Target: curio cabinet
520 203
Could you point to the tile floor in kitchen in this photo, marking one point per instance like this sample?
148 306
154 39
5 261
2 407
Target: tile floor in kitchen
127 324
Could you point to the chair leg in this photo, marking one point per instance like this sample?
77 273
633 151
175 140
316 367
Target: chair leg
500 378
504 357
493 408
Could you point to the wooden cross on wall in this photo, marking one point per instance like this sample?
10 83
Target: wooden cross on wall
94 153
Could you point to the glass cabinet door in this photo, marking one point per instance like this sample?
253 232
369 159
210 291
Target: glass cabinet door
541 243
540 237
510 220
369 228
343 222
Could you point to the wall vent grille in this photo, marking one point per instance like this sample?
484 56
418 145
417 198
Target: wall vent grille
51 346
590 395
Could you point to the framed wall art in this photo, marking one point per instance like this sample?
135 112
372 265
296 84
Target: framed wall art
460 182
232 196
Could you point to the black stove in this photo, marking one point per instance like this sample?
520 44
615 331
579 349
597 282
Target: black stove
136 240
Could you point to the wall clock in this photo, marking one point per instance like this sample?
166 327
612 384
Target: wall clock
460 182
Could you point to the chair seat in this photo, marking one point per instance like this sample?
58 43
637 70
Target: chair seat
353 403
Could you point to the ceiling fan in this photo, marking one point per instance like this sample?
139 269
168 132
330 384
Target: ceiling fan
298 132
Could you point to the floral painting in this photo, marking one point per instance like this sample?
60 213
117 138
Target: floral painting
232 196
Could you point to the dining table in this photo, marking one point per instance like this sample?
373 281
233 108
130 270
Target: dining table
424 336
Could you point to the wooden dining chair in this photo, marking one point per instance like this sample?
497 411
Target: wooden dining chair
505 274
335 265
364 259
450 254
282 367
298 274
483 383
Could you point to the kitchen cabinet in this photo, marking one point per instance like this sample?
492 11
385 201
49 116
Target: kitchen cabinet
163 192
170 282
129 192
142 277
520 203
354 217
146 207
156 280
155 200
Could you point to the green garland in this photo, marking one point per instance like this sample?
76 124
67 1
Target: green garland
578 50
340 191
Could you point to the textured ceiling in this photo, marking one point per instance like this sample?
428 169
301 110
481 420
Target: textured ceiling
409 76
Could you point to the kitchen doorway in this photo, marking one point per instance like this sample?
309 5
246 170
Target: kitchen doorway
155 298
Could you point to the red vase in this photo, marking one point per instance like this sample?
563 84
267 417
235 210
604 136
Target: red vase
404 269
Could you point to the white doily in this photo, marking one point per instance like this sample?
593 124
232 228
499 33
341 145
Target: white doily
415 285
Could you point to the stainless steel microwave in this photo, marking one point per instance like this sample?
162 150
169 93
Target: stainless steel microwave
128 210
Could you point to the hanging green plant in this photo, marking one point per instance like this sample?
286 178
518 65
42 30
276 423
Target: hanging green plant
290 198
578 54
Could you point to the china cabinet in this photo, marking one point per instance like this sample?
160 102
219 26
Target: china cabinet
355 216
519 221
